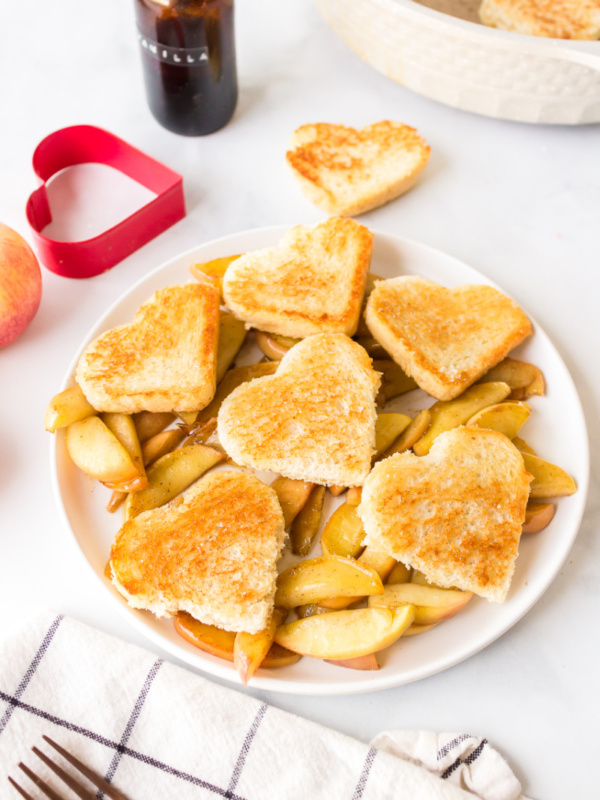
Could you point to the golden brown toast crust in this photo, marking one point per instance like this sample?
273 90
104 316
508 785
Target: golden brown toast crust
214 555
455 514
444 338
314 420
165 360
313 282
558 19
347 171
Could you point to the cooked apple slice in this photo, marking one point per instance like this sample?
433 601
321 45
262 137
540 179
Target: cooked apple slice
232 333
388 428
431 604
188 417
203 433
354 495
292 495
206 637
400 573
522 446
382 563
279 656
123 427
414 630
549 480
345 634
368 662
317 579
538 516
136 485
171 475
250 649
337 490
149 423
67 407
273 345
311 608
221 643
524 379
508 418
305 526
213 271
115 501
161 444
412 434
343 533
98 452
394 380
152 449
419 578
448 414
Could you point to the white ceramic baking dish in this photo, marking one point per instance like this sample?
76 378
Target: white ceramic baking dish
470 66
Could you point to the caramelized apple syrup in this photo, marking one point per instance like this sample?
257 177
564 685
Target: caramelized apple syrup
188 58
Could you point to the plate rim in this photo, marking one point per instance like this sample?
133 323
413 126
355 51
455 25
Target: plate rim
204 662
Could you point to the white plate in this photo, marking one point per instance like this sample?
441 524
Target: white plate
556 430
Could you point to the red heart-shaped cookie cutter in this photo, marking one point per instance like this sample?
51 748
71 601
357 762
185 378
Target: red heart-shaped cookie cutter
80 144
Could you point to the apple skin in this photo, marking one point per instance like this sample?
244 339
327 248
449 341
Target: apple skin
20 285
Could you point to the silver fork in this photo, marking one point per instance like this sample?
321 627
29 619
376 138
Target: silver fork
108 789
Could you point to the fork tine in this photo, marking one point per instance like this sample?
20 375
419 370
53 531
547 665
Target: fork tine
21 791
79 790
47 790
108 789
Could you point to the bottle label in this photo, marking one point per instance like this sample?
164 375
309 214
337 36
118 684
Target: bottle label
183 56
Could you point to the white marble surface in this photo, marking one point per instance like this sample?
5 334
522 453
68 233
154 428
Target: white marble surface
520 203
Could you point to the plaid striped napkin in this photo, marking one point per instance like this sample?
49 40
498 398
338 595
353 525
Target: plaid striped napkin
158 731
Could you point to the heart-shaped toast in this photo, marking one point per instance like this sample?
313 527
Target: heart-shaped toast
444 338
347 171
568 19
312 282
214 555
314 420
455 514
165 360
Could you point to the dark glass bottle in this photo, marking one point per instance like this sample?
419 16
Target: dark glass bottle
188 56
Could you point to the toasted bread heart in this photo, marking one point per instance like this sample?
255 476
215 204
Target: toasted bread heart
165 360
314 420
347 171
313 282
455 514
214 555
444 338
558 19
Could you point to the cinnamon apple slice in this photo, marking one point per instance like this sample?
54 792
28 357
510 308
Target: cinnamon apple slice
345 634
98 452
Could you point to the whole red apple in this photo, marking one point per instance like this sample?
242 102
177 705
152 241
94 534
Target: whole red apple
20 285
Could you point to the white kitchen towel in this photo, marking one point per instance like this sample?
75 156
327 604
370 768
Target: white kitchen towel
158 731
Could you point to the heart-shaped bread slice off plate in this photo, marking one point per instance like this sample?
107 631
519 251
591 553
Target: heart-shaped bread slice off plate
455 514
347 171
214 555
567 19
314 420
312 282
165 360
444 338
